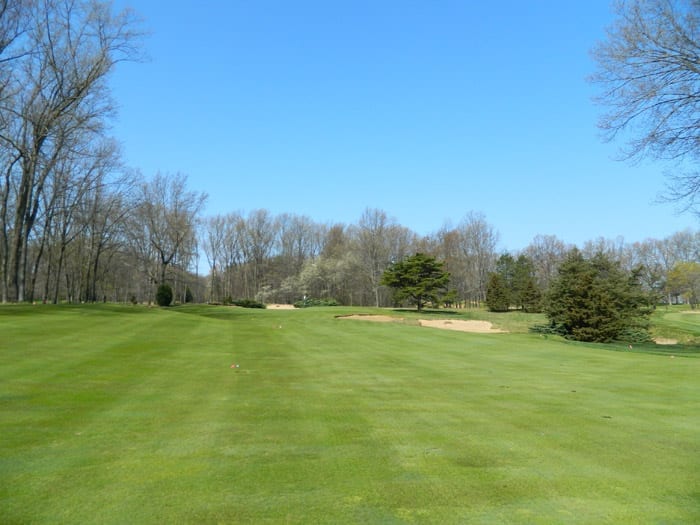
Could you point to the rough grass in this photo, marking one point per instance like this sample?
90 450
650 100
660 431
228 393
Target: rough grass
127 414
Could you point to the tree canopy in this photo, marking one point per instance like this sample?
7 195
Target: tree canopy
418 278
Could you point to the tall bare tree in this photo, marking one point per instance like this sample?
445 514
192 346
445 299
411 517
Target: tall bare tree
258 235
54 96
649 68
374 248
165 222
477 244
546 252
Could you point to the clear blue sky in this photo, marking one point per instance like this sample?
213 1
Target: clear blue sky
425 109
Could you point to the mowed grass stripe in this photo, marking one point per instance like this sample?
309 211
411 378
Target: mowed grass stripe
327 421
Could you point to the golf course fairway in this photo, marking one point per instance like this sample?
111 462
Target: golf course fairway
205 414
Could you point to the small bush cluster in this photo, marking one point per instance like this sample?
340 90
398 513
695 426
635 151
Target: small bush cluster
547 329
635 335
248 303
307 303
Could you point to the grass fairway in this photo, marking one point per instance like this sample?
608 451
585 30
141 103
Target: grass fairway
112 414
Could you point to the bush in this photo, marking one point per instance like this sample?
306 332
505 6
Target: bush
248 303
635 335
164 295
548 329
307 303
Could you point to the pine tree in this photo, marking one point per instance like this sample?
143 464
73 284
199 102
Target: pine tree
497 295
596 300
419 278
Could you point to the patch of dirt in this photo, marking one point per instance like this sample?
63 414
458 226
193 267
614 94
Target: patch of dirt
665 341
280 306
375 318
480 327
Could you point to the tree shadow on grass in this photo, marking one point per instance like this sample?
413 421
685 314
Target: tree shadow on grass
425 311
677 350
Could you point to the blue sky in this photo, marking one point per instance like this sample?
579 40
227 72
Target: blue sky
427 110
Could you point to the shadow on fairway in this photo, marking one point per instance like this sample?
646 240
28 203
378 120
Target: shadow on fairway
678 350
426 311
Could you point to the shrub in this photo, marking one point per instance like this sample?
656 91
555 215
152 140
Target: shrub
164 295
635 335
307 303
547 329
248 303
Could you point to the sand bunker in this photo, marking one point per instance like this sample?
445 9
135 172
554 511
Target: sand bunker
374 318
665 341
280 306
480 327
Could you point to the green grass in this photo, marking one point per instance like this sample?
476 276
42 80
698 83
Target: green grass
112 414
677 322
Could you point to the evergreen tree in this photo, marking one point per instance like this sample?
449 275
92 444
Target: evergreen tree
164 295
596 300
418 279
515 285
497 296
524 292
531 297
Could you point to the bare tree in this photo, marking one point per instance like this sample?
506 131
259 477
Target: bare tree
164 225
374 248
54 96
299 241
106 211
259 236
649 68
546 252
445 246
214 236
477 244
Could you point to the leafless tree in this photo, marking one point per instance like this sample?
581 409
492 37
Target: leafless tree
54 96
259 235
477 244
374 248
107 208
164 223
546 253
649 69
214 237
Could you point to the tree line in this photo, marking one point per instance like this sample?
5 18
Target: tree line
346 262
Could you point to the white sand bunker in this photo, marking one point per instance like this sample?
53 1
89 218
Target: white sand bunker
375 318
280 306
479 327
665 341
